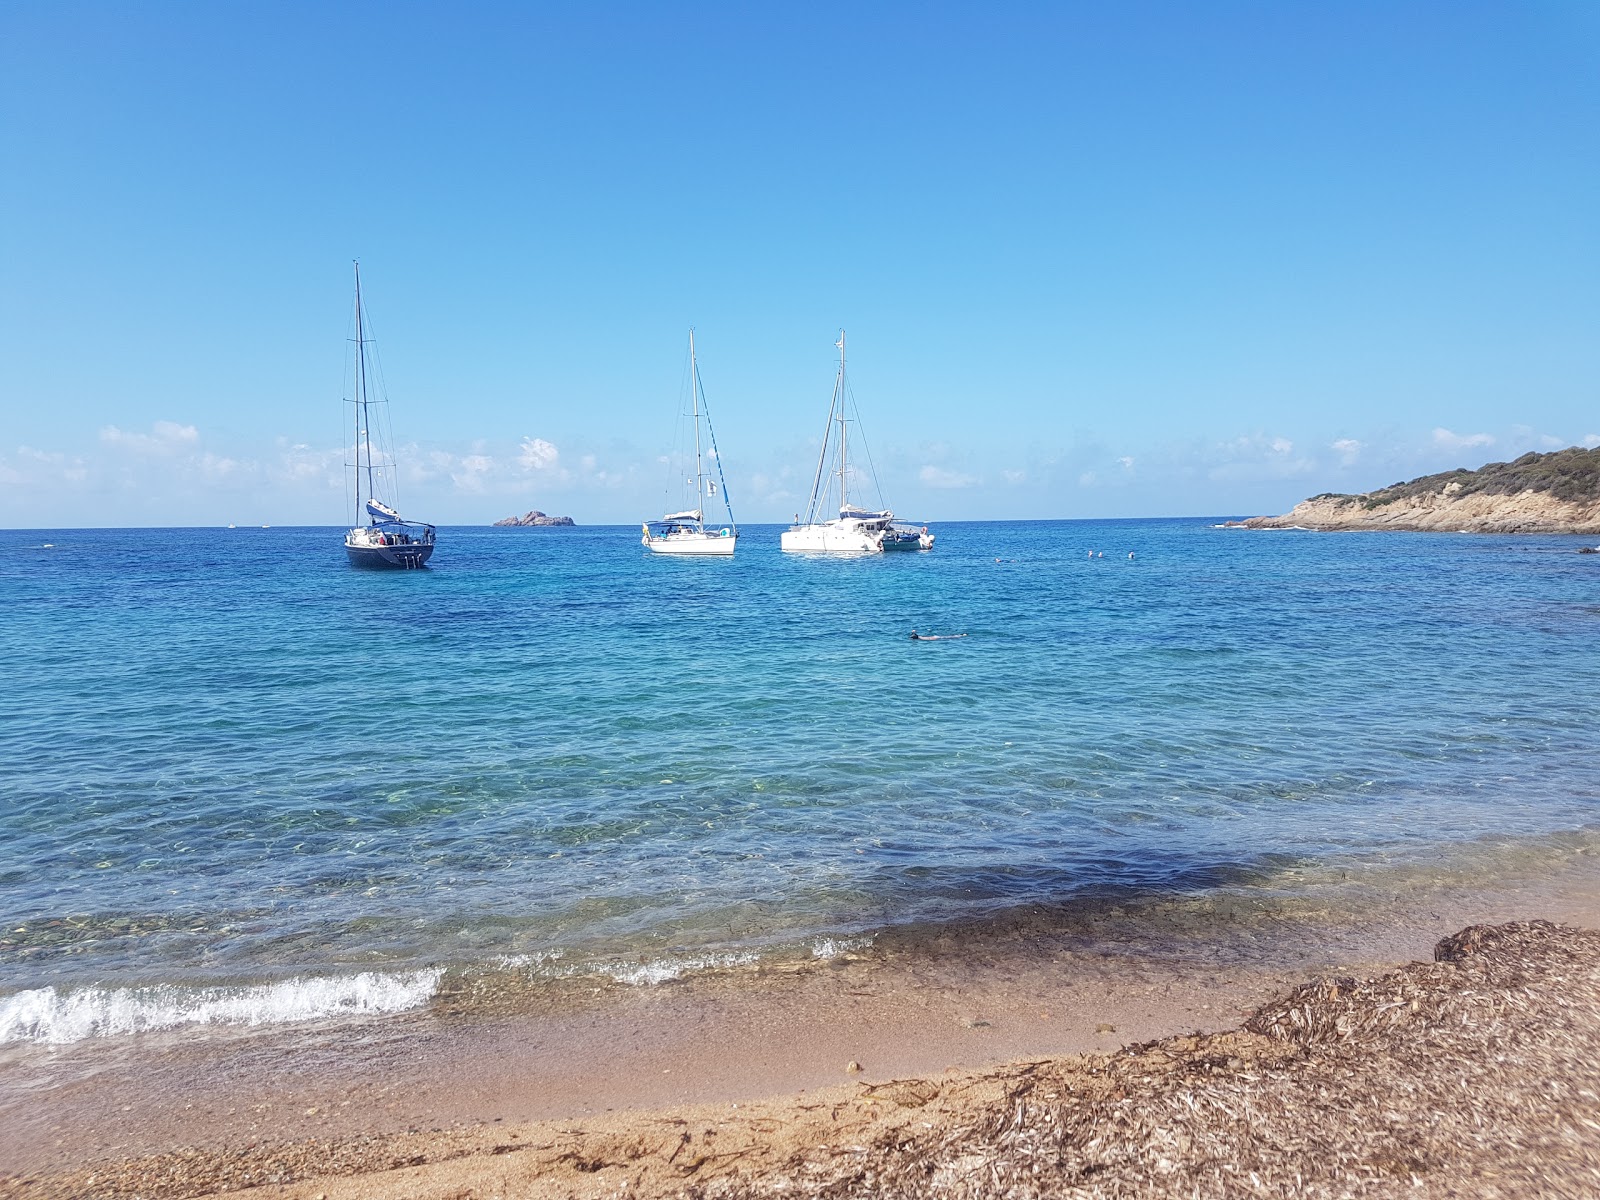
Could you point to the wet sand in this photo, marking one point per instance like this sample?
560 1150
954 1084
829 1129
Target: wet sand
456 1089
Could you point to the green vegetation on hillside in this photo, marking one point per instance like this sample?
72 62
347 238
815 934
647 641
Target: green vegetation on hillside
1571 474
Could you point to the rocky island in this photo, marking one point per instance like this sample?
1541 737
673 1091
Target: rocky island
535 517
1557 492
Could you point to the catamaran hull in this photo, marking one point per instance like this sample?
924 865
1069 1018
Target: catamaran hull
710 546
830 539
389 558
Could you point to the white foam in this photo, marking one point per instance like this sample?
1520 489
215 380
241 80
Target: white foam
833 947
648 974
536 958
58 1018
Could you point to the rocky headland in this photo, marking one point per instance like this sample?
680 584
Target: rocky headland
1557 492
535 517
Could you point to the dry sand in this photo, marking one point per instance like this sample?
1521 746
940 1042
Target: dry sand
1474 1076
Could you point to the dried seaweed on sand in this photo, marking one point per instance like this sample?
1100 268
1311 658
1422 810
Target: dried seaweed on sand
1473 1075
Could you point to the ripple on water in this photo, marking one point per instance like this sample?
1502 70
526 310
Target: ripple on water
552 745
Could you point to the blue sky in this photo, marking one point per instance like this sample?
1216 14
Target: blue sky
1095 260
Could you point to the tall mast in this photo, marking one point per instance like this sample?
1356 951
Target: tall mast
843 466
363 423
699 470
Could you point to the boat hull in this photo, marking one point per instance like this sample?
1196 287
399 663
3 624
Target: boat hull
911 540
708 545
389 558
832 539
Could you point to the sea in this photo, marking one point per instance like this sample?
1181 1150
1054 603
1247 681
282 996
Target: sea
247 785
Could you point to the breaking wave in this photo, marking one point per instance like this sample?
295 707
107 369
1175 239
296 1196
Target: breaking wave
47 1016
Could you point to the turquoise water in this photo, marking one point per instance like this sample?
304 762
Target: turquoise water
240 773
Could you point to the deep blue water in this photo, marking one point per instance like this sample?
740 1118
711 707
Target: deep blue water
230 759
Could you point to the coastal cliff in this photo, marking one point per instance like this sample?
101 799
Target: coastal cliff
1537 493
535 517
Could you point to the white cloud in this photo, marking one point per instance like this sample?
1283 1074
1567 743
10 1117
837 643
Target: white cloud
471 469
303 464
165 437
1348 450
1457 441
1014 476
39 468
538 455
1258 457
216 466
1127 462
939 477
1590 441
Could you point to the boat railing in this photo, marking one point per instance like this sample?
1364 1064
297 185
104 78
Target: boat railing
667 528
408 534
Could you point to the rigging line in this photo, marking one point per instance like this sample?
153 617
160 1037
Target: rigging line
822 458
363 413
676 482
861 433
727 500
385 466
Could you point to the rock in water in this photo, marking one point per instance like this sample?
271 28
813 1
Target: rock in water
535 517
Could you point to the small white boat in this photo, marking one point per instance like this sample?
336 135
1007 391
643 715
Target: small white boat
903 536
387 541
855 530
686 531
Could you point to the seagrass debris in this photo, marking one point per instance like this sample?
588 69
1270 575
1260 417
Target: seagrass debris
1474 1075
1471 1076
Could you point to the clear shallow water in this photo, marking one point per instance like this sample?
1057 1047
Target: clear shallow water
245 780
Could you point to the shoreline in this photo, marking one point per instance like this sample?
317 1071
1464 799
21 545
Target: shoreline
1357 1086
948 1010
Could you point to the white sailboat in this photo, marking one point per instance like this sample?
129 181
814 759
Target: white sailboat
855 530
387 541
686 531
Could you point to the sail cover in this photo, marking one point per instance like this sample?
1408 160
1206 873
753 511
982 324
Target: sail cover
382 514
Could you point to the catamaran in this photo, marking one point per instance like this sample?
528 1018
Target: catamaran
686 531
387 541
855 530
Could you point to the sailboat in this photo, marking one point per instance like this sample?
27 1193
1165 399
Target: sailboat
387 541
686 531
855 530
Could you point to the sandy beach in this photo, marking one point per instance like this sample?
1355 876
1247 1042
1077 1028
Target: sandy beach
800 1080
